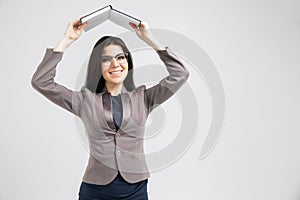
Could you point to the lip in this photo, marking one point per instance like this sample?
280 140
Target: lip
117 72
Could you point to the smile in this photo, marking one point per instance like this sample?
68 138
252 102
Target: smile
116 72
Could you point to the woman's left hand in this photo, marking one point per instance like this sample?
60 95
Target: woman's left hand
142 30
145 34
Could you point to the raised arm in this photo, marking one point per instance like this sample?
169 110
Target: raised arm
178 74
72 33
43 78
169 85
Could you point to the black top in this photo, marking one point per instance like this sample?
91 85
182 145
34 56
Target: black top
117 110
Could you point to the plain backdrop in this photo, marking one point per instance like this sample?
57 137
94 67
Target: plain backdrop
255 46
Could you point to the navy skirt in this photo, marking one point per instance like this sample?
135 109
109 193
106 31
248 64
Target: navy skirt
118 189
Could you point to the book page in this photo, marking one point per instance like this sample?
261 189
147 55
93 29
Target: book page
96 18
123 19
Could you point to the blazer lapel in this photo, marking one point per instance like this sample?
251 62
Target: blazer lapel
107 108
127 109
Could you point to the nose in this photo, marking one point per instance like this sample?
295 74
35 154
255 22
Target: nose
114 62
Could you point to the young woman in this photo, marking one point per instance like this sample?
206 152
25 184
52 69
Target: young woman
113 110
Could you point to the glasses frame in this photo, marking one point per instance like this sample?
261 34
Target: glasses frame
126 54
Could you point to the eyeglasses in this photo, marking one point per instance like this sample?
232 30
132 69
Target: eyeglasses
121 58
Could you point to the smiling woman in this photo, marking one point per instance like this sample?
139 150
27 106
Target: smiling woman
112 109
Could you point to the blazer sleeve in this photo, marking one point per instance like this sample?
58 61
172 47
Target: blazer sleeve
43 81
178 75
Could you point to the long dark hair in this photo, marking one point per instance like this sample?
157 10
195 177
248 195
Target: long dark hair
94 79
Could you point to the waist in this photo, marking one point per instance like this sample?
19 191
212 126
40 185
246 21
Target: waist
119 187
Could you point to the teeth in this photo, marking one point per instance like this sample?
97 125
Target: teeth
115 72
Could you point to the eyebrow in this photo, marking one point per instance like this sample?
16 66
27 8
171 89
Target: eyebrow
112 56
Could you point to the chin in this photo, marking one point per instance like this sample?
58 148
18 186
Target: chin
116 81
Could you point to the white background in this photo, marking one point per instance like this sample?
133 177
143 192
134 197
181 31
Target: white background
255 46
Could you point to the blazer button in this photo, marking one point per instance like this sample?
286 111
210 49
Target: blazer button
118 134
118 153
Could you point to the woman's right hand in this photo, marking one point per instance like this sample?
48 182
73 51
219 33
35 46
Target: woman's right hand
74 30
72 33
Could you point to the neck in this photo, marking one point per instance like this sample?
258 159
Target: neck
114 89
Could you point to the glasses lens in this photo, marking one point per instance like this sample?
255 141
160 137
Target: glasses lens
106 61
121 58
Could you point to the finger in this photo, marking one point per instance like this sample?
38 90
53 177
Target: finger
76 23
82 26
143 25
133 25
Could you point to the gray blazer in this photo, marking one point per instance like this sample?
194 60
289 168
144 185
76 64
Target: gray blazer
111 150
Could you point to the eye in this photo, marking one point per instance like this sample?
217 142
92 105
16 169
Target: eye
106 60
121 57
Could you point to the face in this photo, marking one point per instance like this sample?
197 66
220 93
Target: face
114 64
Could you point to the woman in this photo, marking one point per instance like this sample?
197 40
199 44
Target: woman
113 110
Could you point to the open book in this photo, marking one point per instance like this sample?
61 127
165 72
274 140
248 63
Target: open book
108 13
